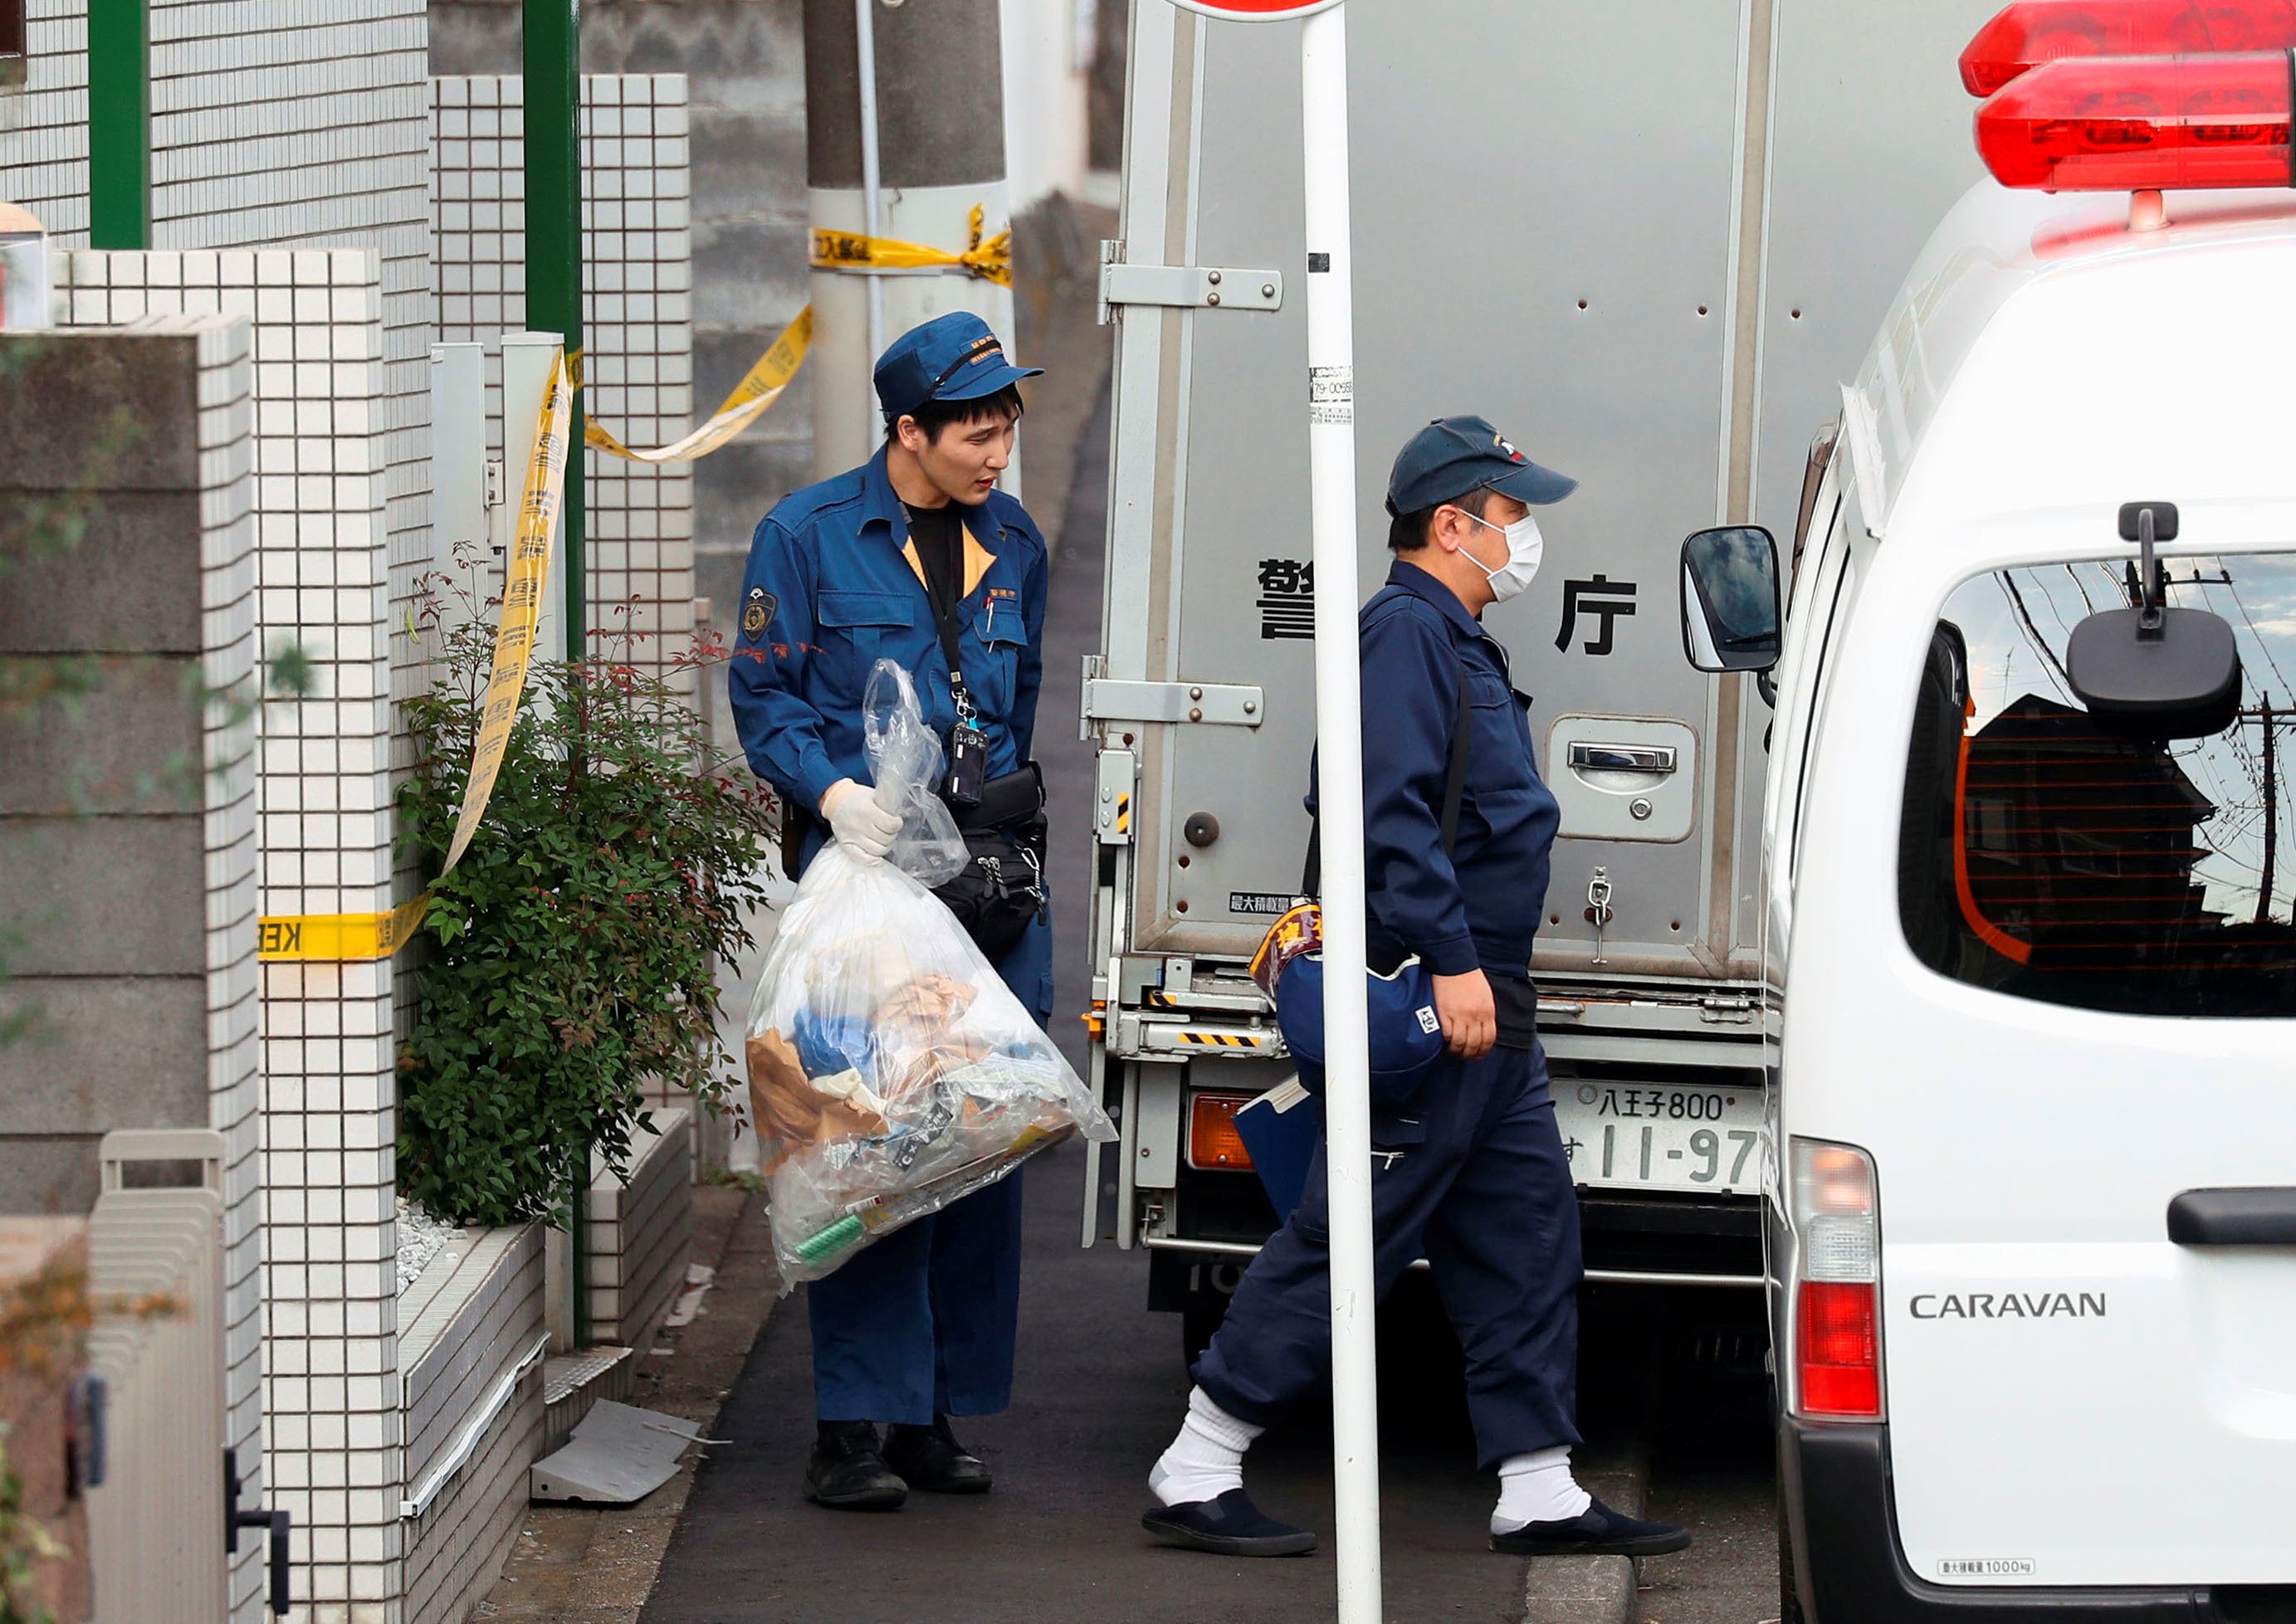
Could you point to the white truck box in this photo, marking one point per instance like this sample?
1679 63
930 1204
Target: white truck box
1648 242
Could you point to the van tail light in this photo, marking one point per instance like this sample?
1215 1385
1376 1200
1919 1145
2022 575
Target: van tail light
1214 1145
2146 123
2031 33
1838 1284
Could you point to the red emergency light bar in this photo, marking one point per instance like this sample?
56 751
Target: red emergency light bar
2032 33
2143 123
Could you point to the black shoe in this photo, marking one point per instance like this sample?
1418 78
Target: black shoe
1595 1531
846 1472
929 1457
1229 1526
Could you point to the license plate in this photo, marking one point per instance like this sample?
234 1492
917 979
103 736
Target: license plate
1650 1137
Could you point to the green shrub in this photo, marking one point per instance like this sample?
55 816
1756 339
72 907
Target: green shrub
572 953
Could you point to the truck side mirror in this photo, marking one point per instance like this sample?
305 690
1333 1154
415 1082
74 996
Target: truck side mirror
2152 670
1730 608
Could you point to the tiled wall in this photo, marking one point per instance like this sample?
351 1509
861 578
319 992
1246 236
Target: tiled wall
44 126
638 318
320 384
226 406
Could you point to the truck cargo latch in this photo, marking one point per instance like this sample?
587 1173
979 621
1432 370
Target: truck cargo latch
1184 286
1227 704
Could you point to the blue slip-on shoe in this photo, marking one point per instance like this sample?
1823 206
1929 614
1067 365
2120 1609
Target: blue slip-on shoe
1595 1531
1229 1526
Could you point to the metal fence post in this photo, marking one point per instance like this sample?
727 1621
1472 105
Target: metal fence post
118 124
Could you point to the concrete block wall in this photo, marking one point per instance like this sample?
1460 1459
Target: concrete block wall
128 818
637 323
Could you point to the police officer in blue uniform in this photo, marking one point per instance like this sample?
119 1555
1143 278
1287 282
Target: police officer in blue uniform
1471 1172
915 553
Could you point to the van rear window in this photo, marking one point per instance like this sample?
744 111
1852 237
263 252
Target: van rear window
2044 856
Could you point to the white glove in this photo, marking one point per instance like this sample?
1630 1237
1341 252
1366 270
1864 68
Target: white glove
861 826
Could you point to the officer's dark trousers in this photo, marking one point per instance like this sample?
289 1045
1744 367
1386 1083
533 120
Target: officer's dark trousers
923 1322
1487 1199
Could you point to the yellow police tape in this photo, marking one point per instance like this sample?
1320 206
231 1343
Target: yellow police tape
760 389
991 261
379 935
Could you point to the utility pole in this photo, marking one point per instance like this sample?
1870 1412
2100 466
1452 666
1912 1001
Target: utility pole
906 151
2271 815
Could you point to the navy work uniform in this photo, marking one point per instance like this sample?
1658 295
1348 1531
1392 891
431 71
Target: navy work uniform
922 1323
1470 1174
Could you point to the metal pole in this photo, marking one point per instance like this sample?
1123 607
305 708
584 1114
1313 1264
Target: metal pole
552 40
1339 738
2271 816
553 244
118 124
873 194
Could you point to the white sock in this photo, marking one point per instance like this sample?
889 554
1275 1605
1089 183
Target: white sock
1206 1460
1538 1487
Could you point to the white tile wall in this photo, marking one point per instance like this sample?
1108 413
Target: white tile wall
637 321
226 407
43 127
320 581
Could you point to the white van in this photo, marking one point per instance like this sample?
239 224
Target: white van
2028 950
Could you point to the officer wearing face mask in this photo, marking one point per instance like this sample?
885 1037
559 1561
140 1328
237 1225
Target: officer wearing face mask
1471 1172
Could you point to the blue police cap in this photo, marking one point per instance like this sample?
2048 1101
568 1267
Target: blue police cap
951 358
1453 455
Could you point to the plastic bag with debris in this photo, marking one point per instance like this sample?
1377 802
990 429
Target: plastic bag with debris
891 1071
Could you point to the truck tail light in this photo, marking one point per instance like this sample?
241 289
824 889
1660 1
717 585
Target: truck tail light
2147 123
1838 1311
2027 35
1214 1145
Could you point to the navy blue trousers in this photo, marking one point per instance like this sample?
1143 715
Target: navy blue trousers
1475 1180
923 1322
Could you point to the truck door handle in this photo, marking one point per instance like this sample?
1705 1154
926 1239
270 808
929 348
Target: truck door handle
2264 1215
1622 758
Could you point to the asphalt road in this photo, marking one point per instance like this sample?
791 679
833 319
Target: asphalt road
1102 1387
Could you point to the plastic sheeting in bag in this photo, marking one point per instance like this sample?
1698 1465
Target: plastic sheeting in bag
891 1071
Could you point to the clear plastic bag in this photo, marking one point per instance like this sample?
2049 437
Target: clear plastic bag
891 1071
905 757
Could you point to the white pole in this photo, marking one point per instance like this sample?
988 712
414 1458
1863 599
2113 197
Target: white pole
872 204
1339 736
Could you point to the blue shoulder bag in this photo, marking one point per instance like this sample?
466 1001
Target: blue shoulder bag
1406 1037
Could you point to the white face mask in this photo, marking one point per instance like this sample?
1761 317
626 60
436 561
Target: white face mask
1524 547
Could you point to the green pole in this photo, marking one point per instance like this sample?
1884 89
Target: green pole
119 125
553 240
554 304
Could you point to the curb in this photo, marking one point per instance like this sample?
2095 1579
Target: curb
1590 1589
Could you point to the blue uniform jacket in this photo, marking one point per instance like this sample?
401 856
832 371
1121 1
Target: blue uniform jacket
834 585
1479 907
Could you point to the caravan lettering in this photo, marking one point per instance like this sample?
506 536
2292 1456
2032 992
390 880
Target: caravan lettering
2008 1305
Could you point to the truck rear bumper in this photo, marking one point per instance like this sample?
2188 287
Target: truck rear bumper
1833 1488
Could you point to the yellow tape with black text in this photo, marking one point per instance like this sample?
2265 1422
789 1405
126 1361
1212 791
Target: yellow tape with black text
379 935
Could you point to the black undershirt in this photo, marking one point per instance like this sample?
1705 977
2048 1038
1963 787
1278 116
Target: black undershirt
1517 998
934 530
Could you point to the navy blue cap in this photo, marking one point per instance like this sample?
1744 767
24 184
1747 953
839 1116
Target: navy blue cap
1453 455
951 358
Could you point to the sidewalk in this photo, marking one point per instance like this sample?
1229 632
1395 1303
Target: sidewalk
573 1565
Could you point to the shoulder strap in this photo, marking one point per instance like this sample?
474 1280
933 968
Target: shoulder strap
1454 795
944 608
